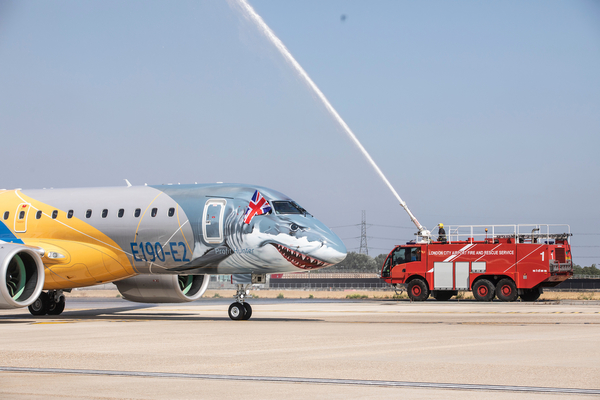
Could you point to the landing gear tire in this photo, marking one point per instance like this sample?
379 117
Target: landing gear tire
237 311
248 311
417 290
531 294
442 295
56 308
507 290
40 305
484 290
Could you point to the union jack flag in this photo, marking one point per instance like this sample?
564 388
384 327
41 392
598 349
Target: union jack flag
258 206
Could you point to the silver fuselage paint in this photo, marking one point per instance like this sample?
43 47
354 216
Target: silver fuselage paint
199 229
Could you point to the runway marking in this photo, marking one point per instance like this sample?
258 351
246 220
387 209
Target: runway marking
322 381
210 319
398 312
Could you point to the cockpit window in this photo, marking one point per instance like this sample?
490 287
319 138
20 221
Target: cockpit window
288 207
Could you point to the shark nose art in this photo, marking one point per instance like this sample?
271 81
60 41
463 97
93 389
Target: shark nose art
300 260
339 249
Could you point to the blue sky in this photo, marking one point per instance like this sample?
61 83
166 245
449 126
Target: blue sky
478 112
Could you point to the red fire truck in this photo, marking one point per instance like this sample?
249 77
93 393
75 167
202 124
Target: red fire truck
504 261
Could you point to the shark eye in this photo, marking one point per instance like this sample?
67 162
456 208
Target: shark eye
294 227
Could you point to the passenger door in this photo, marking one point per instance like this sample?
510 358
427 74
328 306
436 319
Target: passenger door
212 220
21 218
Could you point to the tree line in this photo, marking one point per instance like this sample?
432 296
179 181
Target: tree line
356 262
591 270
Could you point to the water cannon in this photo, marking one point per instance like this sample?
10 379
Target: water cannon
424 235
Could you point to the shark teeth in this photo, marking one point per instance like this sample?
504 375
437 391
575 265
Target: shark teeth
298 259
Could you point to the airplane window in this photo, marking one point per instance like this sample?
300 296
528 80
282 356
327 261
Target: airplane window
22 215
121 212
88 213
6 214
171 212
104 213
287 207
54 214
154 212
38 214
137 212
70 214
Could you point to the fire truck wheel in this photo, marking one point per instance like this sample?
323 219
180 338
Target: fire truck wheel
506 290
484 290
417 290
442 295
531 294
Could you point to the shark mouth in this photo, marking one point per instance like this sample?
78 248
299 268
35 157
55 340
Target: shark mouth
298 259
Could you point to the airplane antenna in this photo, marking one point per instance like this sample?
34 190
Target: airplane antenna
128 184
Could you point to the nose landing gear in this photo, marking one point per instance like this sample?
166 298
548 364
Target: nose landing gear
240 310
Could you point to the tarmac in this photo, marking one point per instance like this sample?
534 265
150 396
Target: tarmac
347 349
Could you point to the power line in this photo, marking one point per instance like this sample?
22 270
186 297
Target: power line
393 226
377 225
380 238
344 226
376 248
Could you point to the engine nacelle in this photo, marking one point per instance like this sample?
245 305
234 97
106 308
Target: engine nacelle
163 288
21 275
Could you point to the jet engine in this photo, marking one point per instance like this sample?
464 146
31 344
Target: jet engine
163 288
21 275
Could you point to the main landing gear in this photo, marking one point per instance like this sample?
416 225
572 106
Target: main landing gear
51 303
240 310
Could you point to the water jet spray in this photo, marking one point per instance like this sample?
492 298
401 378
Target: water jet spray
264 28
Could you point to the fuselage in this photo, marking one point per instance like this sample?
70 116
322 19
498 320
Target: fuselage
97 235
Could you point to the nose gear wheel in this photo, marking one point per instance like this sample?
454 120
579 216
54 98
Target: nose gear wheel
240 310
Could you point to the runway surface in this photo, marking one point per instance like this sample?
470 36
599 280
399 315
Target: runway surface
112 349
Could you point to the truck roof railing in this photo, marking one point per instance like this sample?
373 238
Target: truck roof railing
524 232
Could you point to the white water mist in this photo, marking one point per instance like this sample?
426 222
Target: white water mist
264 28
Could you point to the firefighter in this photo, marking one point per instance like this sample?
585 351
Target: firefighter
441 233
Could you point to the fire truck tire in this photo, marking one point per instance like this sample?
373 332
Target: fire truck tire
442 295
484 290
417 290
507 290
531 294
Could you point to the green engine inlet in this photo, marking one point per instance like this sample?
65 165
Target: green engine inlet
185 282
15 277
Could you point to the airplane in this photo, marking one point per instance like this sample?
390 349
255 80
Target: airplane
157 244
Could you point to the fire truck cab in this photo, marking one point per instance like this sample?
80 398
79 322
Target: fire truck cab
504 261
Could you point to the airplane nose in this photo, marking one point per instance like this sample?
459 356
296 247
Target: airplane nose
339 249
